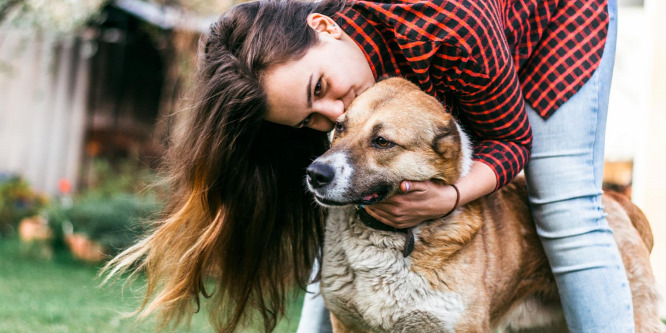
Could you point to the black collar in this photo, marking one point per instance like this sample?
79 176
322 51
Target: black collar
372 223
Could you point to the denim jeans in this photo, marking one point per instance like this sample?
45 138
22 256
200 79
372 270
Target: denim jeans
564 177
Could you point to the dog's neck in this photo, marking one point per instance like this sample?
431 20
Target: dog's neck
372 223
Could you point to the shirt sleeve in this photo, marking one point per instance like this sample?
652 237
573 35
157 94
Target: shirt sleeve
473 66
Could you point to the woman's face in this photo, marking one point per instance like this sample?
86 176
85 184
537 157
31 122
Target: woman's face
316 89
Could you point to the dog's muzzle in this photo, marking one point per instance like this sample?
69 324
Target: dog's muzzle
319 175
329 178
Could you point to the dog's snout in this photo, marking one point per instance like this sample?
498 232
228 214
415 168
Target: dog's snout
319 174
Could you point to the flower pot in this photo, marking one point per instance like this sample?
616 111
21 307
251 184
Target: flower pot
35 236
84 248
34 229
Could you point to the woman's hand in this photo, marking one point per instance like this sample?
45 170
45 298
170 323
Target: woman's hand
421 201
417 202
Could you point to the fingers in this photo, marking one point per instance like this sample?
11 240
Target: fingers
391 209
397 221
405 186
380 216
399 210
408 186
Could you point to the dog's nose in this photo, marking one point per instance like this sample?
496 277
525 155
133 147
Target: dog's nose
319 174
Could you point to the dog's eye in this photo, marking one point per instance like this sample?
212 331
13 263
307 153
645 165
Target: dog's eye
339 127
382 142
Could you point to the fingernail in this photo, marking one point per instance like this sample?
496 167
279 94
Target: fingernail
406 186
362 206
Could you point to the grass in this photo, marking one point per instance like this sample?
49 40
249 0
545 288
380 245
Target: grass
62 295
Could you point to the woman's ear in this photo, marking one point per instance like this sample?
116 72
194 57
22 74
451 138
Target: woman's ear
324 24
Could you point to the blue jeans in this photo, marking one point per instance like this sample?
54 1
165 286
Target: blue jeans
564 177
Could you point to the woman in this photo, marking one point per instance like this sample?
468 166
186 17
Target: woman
240 213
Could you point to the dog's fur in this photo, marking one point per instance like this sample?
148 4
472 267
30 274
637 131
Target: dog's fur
481 268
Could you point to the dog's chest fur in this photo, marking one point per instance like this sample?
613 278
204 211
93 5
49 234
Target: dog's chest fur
366 279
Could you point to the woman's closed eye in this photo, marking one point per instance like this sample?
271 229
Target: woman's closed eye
305 122
318 88
317 92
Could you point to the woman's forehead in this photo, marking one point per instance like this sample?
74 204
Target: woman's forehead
286 91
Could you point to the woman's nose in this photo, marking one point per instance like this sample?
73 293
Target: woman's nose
330 109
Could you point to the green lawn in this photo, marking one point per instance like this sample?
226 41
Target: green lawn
61 295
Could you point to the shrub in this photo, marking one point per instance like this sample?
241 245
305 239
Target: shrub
112 210
17 201
114 222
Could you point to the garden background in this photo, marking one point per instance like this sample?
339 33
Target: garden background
86 90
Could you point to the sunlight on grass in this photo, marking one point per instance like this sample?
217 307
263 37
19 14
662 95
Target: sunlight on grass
61 295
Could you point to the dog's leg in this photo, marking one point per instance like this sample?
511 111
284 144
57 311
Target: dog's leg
635 247
643 291
644 297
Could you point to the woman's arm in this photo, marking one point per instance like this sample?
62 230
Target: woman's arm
469 60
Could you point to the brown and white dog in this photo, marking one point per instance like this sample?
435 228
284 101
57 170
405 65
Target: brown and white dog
479 269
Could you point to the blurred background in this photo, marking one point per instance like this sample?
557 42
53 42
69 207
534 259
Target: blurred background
86 90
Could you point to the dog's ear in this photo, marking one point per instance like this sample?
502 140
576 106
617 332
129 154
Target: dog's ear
447 142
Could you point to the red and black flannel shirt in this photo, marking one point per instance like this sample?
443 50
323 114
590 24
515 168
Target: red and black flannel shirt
484 59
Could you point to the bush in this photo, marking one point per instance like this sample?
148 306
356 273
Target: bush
114 222
17 201
112 210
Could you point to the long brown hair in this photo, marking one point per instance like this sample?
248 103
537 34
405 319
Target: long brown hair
239 211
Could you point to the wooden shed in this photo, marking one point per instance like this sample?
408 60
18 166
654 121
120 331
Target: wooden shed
101 92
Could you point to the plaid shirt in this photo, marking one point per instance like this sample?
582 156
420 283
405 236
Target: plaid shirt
484 59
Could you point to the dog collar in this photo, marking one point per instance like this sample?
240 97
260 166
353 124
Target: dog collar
371 222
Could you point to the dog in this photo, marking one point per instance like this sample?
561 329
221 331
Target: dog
479 269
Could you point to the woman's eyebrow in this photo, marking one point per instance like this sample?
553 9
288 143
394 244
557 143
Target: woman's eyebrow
309 92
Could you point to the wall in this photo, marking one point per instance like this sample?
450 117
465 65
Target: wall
43 89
